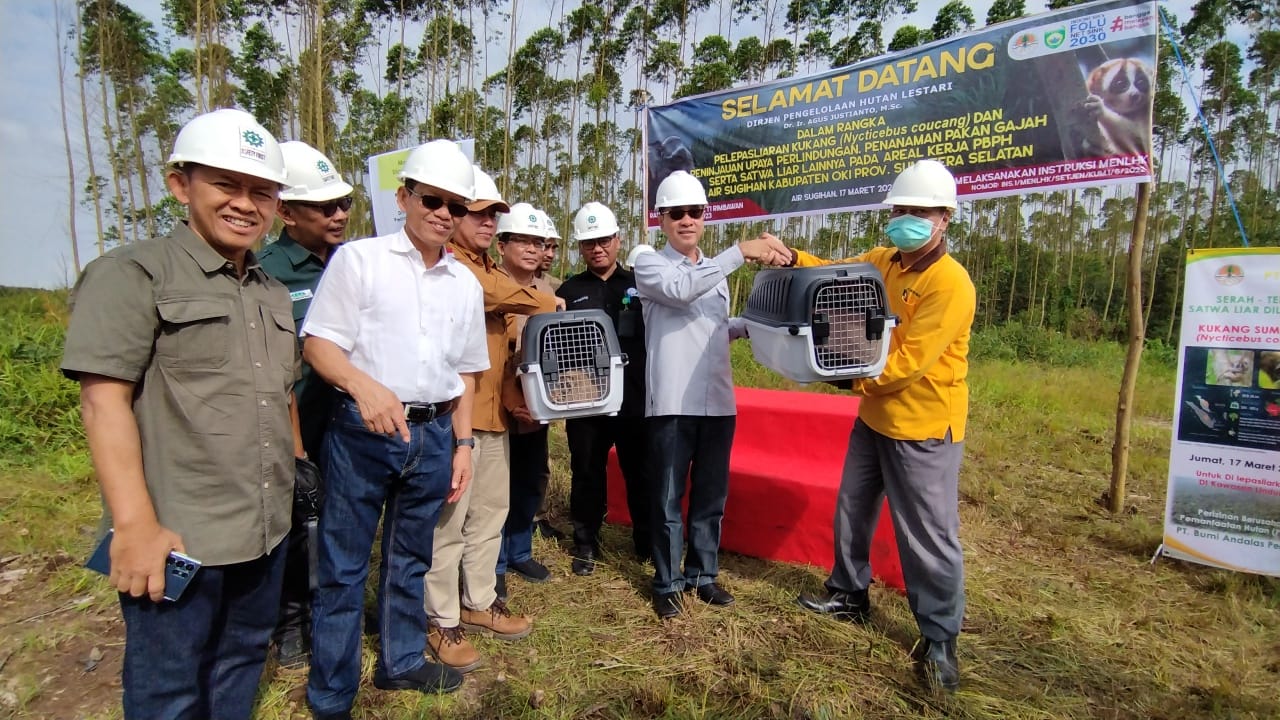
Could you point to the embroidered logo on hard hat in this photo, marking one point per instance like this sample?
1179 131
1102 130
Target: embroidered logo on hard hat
252 138
322 166
591 219
533 218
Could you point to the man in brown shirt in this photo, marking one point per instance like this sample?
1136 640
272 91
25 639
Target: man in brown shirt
186 355
470 531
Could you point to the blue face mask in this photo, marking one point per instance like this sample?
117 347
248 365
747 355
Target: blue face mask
909 233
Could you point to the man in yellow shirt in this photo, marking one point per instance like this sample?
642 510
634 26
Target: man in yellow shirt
909 435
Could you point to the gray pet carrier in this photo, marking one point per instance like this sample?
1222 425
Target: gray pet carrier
571 365
830 322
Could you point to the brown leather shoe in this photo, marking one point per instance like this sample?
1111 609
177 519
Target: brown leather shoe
497 620
451 647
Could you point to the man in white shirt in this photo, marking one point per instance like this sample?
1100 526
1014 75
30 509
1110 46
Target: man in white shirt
397 324
689 381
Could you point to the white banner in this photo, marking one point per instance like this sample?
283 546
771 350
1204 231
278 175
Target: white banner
1223 507
387 215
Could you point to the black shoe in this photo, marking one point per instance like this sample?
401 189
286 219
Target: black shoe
340 715
584 560
667 605
713 594
936 663
500 587
531 570
852 606
291 649
429 678
547 530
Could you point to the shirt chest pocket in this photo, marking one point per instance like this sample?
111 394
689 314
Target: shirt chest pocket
282 340
194 332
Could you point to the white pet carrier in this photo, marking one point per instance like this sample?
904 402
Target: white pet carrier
571 365
830 322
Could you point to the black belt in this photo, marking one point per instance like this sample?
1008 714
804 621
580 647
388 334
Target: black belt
426 412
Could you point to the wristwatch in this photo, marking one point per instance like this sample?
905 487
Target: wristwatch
464 442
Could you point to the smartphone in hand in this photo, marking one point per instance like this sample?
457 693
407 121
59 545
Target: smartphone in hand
179 569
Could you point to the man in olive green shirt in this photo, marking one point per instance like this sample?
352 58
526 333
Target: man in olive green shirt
186 354
314 211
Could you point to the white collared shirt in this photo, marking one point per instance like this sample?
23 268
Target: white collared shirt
410 327
687 332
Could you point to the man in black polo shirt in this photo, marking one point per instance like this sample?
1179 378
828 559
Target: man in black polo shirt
607 286
314 211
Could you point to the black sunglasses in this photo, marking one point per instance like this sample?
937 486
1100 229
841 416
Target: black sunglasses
597 242
679 213
433 203
330 207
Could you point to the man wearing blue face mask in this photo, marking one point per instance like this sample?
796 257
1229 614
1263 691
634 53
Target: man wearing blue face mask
908 438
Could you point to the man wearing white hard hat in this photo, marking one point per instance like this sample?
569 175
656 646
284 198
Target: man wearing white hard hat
397 325
690 405
186 355
469 533
521 247
549 254
908 439
605 285
313 209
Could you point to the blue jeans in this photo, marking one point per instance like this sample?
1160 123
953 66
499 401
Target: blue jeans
365 471
202 656
528 467
684 448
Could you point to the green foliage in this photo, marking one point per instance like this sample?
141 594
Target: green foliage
39 409
1020 342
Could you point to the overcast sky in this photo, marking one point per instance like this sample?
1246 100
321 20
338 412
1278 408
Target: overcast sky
34 242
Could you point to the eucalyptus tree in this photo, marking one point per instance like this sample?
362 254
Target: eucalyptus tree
952 19
266 76
1002 10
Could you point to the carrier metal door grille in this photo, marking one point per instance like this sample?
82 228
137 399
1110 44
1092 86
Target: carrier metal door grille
845 306
575 363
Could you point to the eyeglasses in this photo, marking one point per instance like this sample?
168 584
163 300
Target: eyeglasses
537 243
330 207
586 245
433 203
679 213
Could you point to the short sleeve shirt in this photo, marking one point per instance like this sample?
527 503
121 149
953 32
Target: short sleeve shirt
212 357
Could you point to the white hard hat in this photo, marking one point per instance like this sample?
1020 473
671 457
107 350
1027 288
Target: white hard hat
312 177
594 220
523 219
548 226
636 252
924 184
487 194
441 164
232 140
679 189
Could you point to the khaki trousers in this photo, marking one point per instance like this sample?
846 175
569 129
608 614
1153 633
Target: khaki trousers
469 535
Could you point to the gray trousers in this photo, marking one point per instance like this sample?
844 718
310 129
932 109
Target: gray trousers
921 478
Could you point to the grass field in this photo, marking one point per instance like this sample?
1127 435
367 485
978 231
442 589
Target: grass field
1066 616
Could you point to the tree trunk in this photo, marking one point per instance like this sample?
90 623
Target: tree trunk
1124 408
88 143
66 138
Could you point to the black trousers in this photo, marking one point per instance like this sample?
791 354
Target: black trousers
320 401
589 443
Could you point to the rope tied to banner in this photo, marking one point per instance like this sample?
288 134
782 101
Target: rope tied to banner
1204 123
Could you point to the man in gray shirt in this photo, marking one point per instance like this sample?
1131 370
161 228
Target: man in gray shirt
185 352
690 402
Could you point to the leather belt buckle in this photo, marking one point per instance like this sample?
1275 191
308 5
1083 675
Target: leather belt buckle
426 412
